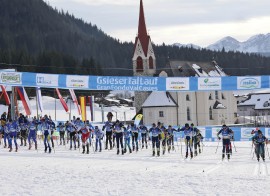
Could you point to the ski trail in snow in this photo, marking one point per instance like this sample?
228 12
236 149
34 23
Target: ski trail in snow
211 169
256 169
263 169
266 169
260 169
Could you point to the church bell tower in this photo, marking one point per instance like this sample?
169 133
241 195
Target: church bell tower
144 60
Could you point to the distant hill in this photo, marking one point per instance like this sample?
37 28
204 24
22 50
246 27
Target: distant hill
256 44
35 37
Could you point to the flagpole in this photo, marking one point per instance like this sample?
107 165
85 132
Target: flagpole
70 109
54 105
37 102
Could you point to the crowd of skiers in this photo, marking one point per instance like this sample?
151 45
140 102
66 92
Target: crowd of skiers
78 134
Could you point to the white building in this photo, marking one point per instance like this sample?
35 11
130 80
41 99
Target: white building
255 109
200 108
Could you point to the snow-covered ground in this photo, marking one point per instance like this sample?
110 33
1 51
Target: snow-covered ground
68 172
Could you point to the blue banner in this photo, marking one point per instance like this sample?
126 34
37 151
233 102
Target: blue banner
136 83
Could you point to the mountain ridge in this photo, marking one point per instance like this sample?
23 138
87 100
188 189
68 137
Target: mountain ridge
259 44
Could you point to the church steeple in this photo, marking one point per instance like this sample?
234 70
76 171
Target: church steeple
142 32
144 60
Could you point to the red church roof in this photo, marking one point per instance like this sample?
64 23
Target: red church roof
142 32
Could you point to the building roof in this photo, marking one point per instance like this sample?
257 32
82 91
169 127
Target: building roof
196 69
219 105
159 99
260 101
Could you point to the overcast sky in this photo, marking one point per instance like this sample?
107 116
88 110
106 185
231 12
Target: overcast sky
200 22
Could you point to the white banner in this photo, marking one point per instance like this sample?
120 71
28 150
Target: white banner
11 78
49 80
77 81
246 132
177 84
248 82
209 83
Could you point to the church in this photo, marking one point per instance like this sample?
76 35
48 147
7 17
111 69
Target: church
177 108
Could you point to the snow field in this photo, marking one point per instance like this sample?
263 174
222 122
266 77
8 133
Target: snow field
67 172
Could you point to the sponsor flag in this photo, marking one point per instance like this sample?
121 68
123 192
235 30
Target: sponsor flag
64 104
4 92
83 107
91 104
138 119
39 99
25 100
75 101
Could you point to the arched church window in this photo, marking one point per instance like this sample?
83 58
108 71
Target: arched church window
139 67
151 63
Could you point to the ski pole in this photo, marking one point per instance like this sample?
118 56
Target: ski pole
181 146
267 150
217 146
251 148
177 143
202 145
234 146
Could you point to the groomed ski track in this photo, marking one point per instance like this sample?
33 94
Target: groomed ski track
69 172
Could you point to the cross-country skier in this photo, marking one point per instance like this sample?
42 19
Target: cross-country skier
155 138
144 134
46 130
23 128
188 134
4 117
78 124
197 137
12 129
85 132
52 127
135 134
117 129
91 128
99 136
3 123
259 142
32 127
72 131
67 131
127 135
170 140
164 138
62 131
108 128
226 133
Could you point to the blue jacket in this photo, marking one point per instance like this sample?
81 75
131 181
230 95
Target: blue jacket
108 126
225 132
98 133
155 131
12 127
